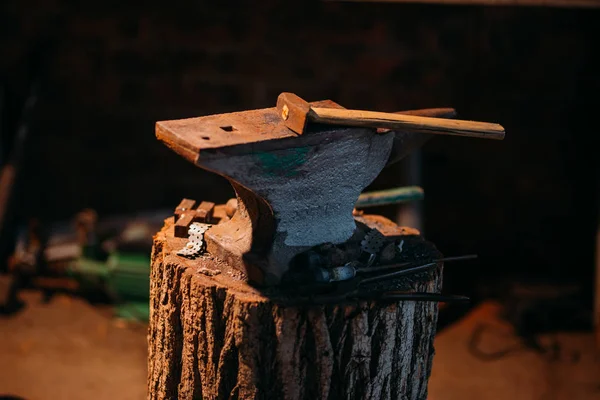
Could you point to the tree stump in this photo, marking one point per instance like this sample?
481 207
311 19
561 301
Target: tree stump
213 336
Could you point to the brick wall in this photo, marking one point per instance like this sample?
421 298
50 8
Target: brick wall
117 67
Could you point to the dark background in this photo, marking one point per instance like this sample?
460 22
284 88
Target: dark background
528 205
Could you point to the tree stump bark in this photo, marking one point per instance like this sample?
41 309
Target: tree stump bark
216 337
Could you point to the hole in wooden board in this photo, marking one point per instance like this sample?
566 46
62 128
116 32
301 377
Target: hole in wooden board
228 128
205 138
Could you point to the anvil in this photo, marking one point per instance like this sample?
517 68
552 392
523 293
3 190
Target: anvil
294 191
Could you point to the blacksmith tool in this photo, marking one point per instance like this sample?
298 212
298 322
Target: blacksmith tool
406 264
352 269
294 191
354 289
296 113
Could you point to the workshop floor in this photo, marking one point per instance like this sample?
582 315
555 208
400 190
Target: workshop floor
570 371
67 349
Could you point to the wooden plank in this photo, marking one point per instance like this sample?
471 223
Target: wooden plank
515 3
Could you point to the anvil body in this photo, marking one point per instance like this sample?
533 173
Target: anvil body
294 192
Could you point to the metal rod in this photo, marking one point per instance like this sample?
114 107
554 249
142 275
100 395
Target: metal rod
458 258
408 271
390 196
405 264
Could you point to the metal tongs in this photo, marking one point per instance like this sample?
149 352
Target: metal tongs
350 288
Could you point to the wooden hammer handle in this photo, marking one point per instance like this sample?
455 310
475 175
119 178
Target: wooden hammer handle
413 123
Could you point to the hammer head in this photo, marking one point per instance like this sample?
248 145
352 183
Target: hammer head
293 111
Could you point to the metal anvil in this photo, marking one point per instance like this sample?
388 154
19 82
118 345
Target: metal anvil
294 192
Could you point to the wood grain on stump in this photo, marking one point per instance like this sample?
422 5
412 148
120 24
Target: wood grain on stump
216 337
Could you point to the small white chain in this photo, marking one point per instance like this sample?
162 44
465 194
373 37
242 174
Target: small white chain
195 245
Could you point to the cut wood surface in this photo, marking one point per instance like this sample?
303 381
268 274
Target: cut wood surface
212 336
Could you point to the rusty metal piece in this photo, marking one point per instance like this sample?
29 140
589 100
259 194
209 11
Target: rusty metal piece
388 229
294 111
204 212
231 207
183 224
185 214
183 207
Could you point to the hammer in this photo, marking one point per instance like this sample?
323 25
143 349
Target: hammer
296 113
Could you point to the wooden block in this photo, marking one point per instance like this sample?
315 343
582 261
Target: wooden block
183 224
204 212
185 205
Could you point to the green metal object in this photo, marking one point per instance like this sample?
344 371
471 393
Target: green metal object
129 276
390 196
125 277
133 310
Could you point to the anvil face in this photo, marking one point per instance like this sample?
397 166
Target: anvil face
294 192
238 132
